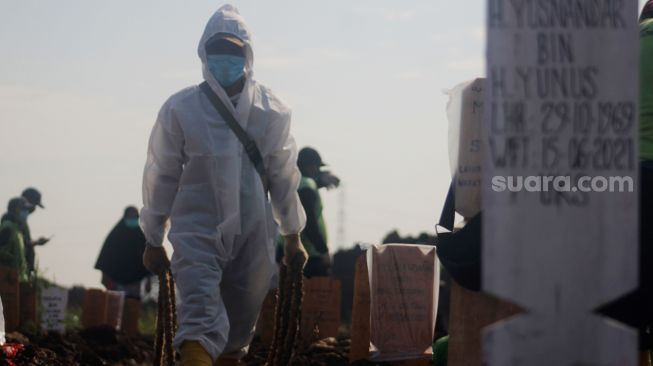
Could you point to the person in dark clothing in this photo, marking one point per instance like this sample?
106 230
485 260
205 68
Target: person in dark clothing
121 257
314 235
33 199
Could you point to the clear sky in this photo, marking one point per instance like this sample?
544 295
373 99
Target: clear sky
82 82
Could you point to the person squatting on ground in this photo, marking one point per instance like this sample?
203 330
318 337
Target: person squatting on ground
222 226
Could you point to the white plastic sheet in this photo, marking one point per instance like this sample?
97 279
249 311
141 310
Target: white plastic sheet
465 114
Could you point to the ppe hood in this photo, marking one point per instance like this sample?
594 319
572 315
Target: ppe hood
226 20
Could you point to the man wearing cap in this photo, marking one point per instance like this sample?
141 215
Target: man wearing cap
32 199
12 248
314 235
199 177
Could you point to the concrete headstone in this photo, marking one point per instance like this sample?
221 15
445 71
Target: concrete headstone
560 163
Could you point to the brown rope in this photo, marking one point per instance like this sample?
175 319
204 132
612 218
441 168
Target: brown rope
287 313
158 340
166 322
278 311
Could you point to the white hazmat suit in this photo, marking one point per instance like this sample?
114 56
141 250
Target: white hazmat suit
222 227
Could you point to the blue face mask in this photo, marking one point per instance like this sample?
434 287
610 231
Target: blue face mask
131 223
226 69
24 213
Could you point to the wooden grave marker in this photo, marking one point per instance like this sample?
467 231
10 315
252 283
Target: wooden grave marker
10 293
320 309
360 315
404 285
94 310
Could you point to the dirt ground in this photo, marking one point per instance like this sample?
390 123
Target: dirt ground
94 346
104 346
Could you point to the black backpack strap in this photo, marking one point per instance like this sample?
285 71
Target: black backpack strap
250 145
448 215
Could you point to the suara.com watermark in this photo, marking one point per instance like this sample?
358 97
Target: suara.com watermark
562 183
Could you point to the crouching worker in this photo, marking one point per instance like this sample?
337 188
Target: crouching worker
212 189
12 246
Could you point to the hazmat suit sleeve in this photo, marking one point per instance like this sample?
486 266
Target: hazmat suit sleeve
284 179
163 169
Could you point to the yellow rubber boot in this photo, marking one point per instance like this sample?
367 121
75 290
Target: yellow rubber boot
227 362
193 354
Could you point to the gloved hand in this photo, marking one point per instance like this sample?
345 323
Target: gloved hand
292 245
155 259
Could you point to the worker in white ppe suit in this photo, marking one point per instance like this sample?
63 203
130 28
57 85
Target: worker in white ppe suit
222 227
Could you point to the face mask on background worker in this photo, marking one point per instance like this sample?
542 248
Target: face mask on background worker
131 223
226 60
24 213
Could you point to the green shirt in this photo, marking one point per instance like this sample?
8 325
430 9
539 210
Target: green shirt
314 236
12 249
646 85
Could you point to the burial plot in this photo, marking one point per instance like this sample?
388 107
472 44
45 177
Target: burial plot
562 105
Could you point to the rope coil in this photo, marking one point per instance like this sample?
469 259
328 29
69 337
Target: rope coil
288 312
166 322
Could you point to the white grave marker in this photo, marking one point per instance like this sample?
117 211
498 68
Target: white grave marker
53 304
562 100
465 114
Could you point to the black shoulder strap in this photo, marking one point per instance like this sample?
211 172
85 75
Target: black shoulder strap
448 215
250 145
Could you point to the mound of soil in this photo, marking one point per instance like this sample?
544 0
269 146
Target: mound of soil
94 346
102 346
326 352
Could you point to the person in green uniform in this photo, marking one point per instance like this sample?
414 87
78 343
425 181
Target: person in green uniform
12 246
33 199
314 235
441 351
